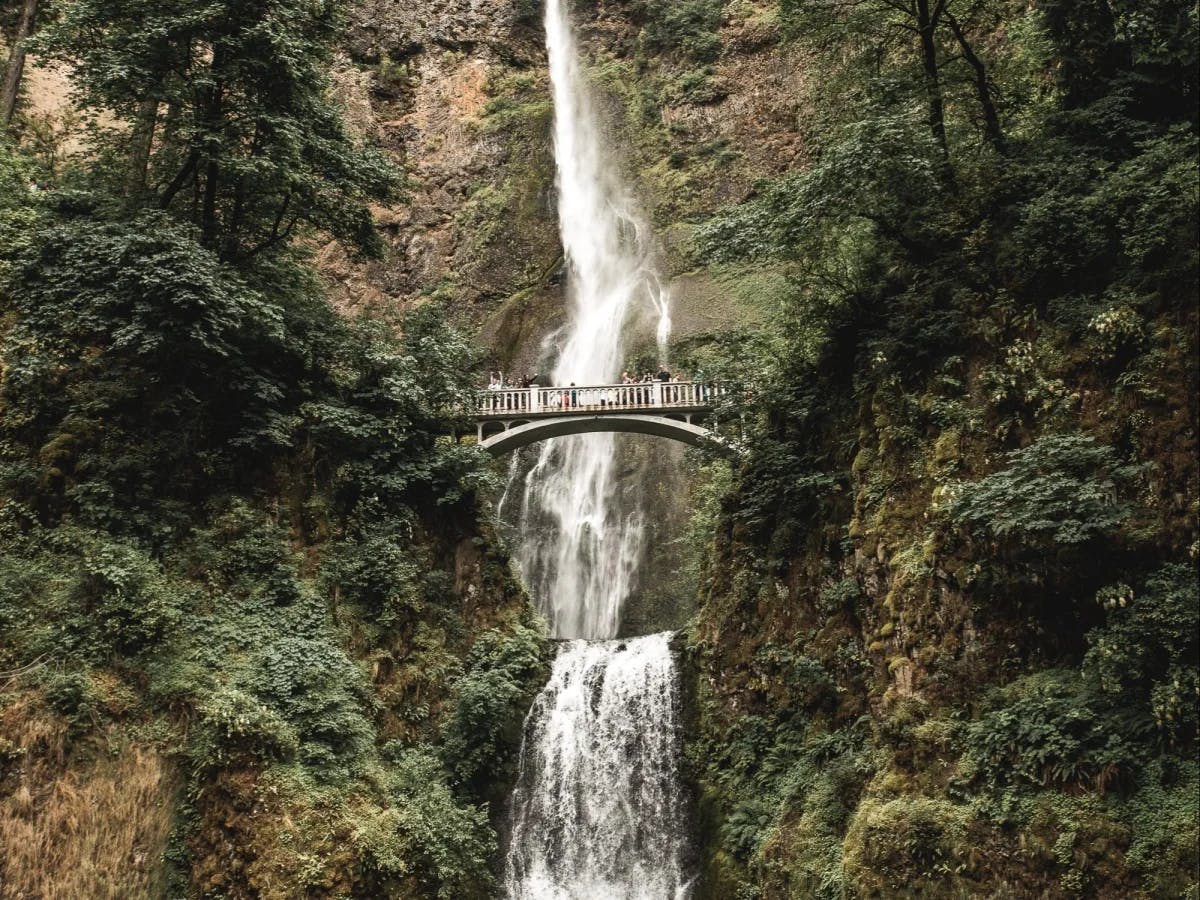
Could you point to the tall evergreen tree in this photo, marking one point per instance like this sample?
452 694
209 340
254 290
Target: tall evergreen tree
224 117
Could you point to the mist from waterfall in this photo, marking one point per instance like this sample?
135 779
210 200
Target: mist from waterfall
583 540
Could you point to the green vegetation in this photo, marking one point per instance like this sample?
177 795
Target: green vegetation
968 499
687 27
233 543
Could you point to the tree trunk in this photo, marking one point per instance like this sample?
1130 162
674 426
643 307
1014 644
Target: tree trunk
927 23
140 143
214 141
16 63
982 88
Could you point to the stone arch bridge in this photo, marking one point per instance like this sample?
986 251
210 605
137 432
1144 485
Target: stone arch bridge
509 418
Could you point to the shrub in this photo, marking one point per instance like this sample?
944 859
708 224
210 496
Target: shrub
912 844
1161 816
688 26
309 680
504 670
1054 728
234 727
427 834
130 602
1062 489
1146 654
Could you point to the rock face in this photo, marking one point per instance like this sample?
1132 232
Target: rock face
458 93
398 30
431 82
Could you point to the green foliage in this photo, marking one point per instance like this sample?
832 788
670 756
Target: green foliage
142 373
375 430
18 211
427 834
85 595
1161 815
909 844
374 568
125 596
505 669
1137 684
844 594
528 11
1053 728
684 26
713 482
1146 653
234 727
74 696
251 147
876 178
139 366
1025 279
772 784
309 679
1062 489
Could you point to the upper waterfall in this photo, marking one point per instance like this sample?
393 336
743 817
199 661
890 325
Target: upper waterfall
581 566
605 240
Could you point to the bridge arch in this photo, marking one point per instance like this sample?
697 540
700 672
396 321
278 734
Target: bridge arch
542 429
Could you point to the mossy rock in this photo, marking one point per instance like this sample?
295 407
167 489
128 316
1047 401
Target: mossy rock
907 847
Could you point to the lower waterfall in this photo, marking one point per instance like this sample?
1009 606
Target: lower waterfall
598 812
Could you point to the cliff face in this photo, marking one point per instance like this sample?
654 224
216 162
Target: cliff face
458 94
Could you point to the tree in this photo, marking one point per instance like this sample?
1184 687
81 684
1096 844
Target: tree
224 117
16 62
940 33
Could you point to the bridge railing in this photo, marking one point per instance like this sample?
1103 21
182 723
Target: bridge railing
592 398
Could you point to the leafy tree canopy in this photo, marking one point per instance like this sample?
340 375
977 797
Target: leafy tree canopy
223 118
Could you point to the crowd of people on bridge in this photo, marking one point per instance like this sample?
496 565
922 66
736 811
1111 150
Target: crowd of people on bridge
499 382
633 390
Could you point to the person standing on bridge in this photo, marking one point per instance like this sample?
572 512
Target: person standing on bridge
494 385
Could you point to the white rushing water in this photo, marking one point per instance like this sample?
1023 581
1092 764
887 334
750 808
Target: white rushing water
598 813
583 564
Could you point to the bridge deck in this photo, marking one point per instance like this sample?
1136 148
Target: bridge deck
658 397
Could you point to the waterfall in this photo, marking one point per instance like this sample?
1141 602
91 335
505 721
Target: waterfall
583 563
598 813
